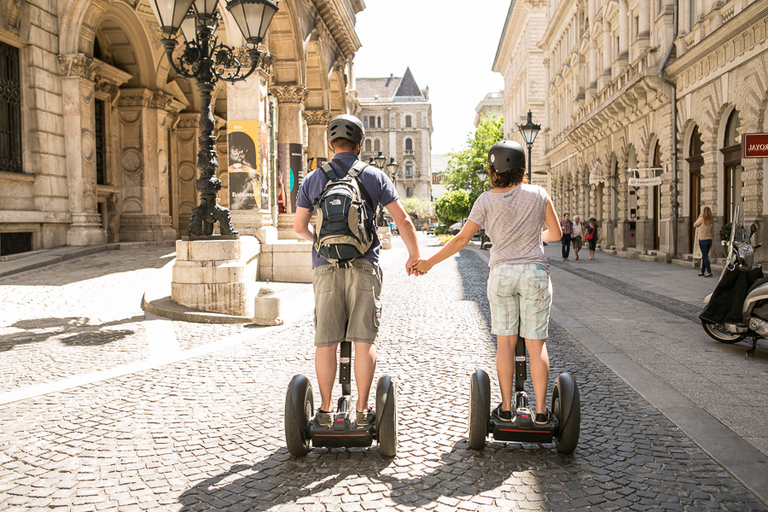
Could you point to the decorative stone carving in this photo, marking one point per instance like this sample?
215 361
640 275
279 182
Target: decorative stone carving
316 116
77 64
290 93
11 10
130 161
188 121
135 98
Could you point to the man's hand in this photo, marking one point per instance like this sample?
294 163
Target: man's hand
409 266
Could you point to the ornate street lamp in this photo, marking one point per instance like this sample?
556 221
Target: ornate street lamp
207 61
529 132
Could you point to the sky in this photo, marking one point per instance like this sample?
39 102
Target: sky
449 46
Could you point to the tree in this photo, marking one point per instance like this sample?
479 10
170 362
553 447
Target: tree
453 206
463 165
422 207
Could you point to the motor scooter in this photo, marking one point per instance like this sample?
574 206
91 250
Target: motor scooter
738 307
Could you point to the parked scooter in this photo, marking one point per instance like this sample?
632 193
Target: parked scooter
738 307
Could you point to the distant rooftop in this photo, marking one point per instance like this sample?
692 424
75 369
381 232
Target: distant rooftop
391 88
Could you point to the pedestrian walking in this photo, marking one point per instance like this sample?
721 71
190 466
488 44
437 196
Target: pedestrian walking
577 231
566 226
592 236
519 289
348 293
704 226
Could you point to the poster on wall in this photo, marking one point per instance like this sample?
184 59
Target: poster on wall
245 182
282 177
296 172
264 164
315 163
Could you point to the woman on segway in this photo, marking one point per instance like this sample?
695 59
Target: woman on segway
519 288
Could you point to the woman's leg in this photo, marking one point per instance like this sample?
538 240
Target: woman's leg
537 352
705 245
505 368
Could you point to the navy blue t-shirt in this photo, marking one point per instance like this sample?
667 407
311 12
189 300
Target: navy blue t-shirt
380 189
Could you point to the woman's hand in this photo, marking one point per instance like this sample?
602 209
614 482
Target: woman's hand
422 266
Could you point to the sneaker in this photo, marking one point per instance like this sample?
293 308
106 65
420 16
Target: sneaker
324 419
543 418
363 419
501 415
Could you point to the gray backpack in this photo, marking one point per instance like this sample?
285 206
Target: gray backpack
341 233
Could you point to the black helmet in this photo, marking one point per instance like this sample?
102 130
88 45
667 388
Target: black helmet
506 156
347 127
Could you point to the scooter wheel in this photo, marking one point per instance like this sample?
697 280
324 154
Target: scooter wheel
566 406
386 416
479 409
299 407
716 331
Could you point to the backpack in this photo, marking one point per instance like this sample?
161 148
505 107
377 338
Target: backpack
341 233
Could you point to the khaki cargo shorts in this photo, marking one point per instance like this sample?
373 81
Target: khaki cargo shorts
347 303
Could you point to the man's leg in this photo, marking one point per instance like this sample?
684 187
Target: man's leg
505 368
539 358
365 365
325 367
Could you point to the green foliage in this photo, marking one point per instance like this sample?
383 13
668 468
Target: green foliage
422 207
442 229
463 164
453 206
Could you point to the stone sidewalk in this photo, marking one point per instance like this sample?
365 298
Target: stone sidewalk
177 416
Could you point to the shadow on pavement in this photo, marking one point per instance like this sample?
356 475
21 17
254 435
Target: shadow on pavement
70 331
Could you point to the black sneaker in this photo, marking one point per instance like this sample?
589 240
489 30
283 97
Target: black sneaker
363 419
543 418
324 419
501 415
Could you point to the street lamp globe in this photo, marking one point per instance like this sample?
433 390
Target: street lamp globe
381 160
392 168
529 130
252 17
482 173
170 14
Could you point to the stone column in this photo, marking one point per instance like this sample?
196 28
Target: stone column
317 126
607 62
77 90
623 32
245 100
290 103
143 159
184 169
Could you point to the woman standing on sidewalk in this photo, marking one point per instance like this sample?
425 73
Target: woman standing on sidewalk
576 235
704 225
519 288
592 236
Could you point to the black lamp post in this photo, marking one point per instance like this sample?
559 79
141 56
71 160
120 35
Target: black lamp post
380 161
529 132
207 61
482 173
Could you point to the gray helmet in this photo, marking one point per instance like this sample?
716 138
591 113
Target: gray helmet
506 156
347 127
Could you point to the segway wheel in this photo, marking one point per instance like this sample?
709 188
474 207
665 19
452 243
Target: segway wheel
479 409
566 406
299 407
386 416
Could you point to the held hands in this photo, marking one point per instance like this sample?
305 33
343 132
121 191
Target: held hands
421 267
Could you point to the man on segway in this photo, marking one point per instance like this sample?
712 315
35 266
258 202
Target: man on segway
347 277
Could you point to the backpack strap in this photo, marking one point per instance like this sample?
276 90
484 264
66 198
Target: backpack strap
355 171
329 171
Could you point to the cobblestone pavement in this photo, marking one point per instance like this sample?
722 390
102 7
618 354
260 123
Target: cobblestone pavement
206 433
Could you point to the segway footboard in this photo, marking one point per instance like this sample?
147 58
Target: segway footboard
521 430
341 435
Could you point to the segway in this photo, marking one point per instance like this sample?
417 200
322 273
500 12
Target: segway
566 413
302 428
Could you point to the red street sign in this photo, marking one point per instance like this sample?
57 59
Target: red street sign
754 145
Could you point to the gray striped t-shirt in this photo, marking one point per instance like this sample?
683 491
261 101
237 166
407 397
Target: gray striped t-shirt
513 221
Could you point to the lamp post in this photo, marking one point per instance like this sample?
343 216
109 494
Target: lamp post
529 132
380 161
207 61
482 174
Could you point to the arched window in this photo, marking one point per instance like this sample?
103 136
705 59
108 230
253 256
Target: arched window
377 145
732 166
409 169
378 122
372 122
365 122
695 162
408 122
409 192
368 144
408 145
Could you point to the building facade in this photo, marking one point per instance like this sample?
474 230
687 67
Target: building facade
520 61
492 105
99 135
397 116
659 90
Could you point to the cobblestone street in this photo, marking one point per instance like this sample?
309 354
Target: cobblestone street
205 430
